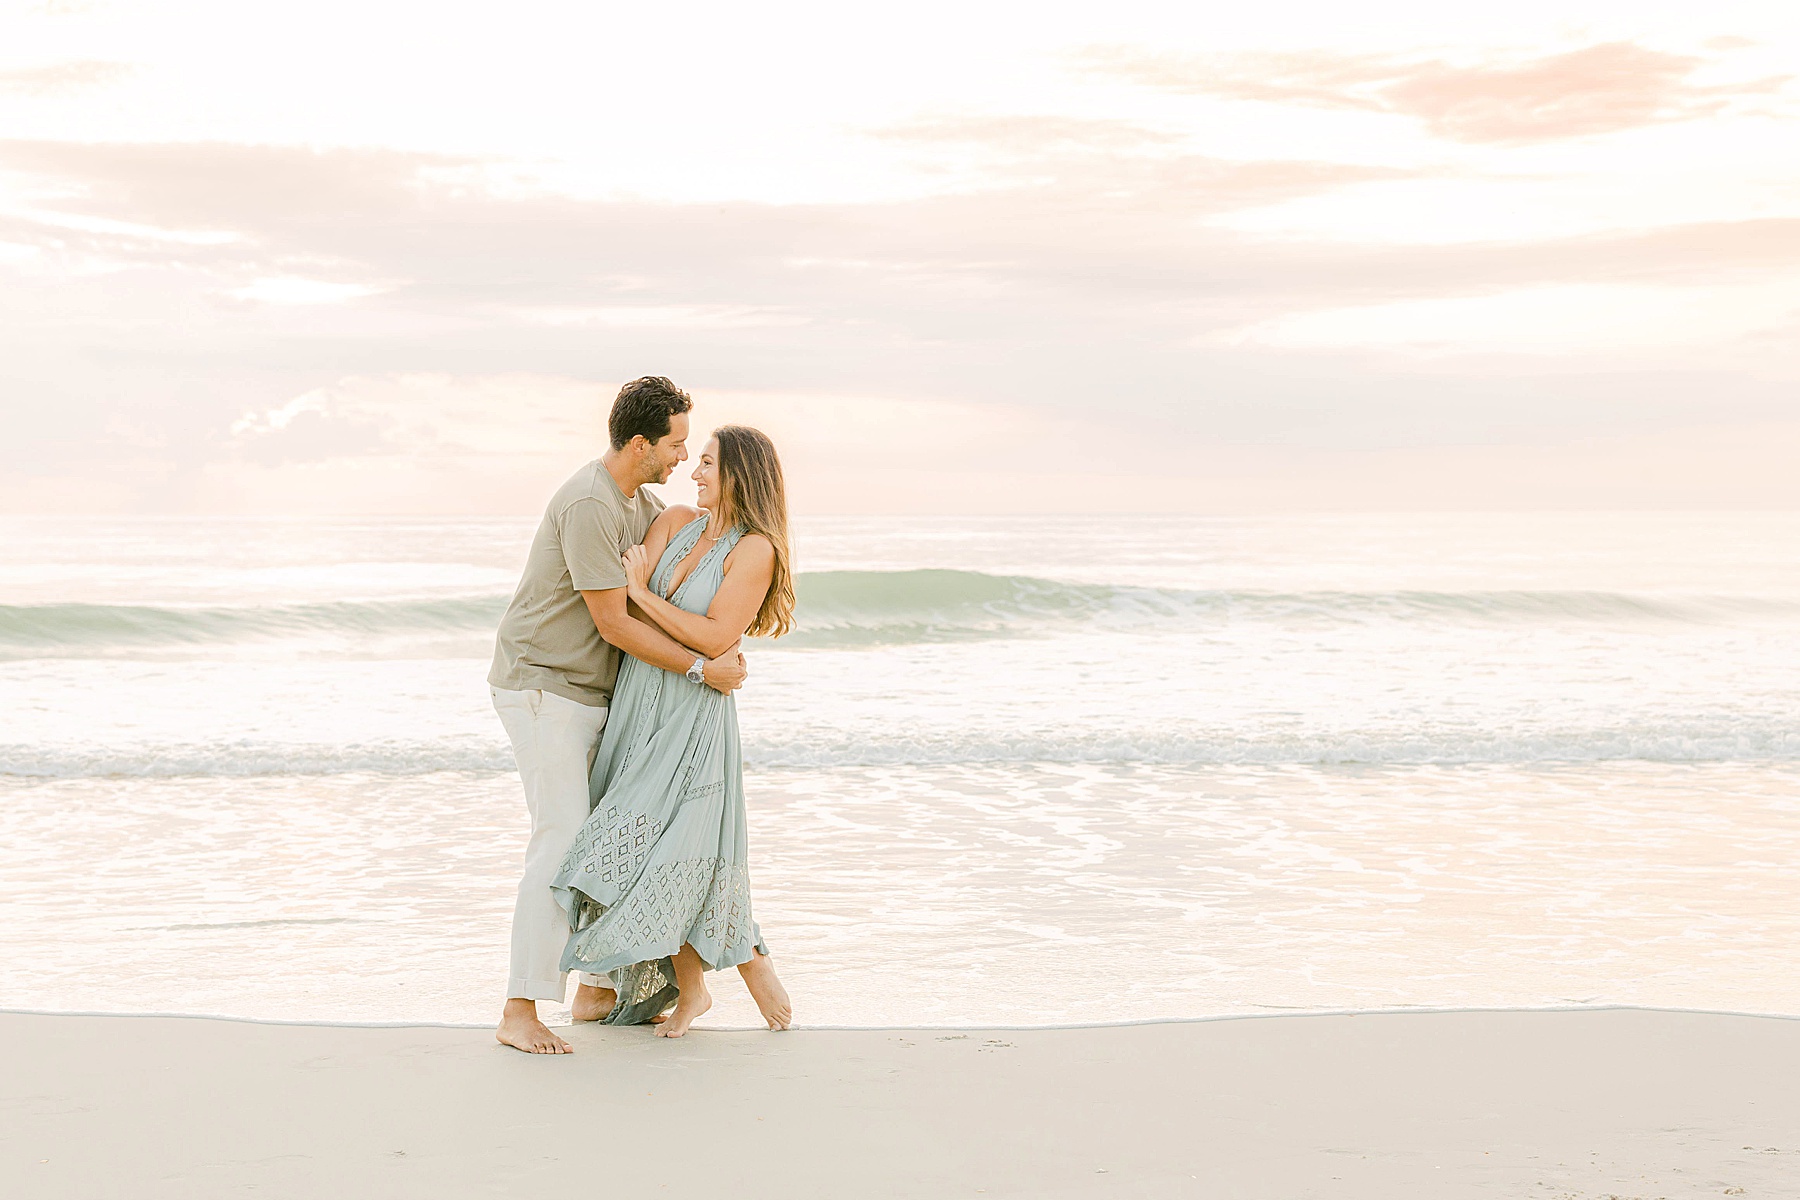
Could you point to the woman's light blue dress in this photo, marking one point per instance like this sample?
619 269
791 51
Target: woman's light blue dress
663 858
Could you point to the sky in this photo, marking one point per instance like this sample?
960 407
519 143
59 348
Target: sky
955 258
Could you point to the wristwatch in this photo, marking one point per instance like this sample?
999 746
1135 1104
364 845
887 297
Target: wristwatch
697 672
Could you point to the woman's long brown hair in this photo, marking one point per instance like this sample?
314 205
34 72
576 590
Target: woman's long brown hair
754 496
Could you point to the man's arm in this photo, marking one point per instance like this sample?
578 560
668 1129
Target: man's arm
748 571
725 673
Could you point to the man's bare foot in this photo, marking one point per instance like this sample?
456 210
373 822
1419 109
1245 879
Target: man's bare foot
765 988
592 1003
691 1007
521 1029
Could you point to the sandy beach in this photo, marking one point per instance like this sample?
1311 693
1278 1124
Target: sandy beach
1574 1104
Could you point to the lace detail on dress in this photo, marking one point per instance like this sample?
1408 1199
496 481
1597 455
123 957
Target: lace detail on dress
726 918
714 553
704 790
677 549
643 711
617 854
671 902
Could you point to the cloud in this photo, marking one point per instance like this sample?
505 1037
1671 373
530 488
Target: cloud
425 417
1604 88
1559 319
1087 288
214 185
1030 135
931 271
497 442
1081 161
65 78
849 283
663 316
292 290
472 445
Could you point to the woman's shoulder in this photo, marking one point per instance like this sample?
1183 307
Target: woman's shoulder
753 548
674 517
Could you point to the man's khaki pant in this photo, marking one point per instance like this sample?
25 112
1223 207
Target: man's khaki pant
554 741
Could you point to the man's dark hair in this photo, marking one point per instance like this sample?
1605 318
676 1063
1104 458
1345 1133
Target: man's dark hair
645 406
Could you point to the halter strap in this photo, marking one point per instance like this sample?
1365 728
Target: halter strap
686 540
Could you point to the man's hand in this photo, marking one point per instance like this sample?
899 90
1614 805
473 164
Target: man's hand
727 672
637 570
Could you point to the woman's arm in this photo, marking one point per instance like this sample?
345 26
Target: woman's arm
668 522
749 569
656 539
629 628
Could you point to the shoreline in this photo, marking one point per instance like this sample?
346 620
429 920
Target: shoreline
1283 1014
1572 1104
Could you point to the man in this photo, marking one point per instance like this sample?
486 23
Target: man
555 660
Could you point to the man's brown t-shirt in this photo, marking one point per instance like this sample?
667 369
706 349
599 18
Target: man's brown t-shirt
547 638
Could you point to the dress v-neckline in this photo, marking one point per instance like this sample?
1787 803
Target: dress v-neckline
696 555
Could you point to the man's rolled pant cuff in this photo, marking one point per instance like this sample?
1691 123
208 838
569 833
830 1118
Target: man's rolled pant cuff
599 981
556 990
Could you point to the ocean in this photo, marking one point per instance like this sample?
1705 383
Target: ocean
1008 771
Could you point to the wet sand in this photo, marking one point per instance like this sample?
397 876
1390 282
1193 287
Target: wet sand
1561 1105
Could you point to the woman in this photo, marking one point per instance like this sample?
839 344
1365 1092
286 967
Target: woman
657 884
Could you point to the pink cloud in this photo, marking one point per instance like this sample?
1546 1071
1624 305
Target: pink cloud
1604 88
1083 281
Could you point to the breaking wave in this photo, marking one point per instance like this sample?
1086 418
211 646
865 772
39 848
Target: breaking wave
854 608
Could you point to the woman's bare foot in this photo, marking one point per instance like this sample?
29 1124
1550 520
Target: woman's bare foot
521 1029
592 1003
765 987
691 1007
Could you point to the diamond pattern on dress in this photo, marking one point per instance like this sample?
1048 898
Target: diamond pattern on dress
671 904
612 850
